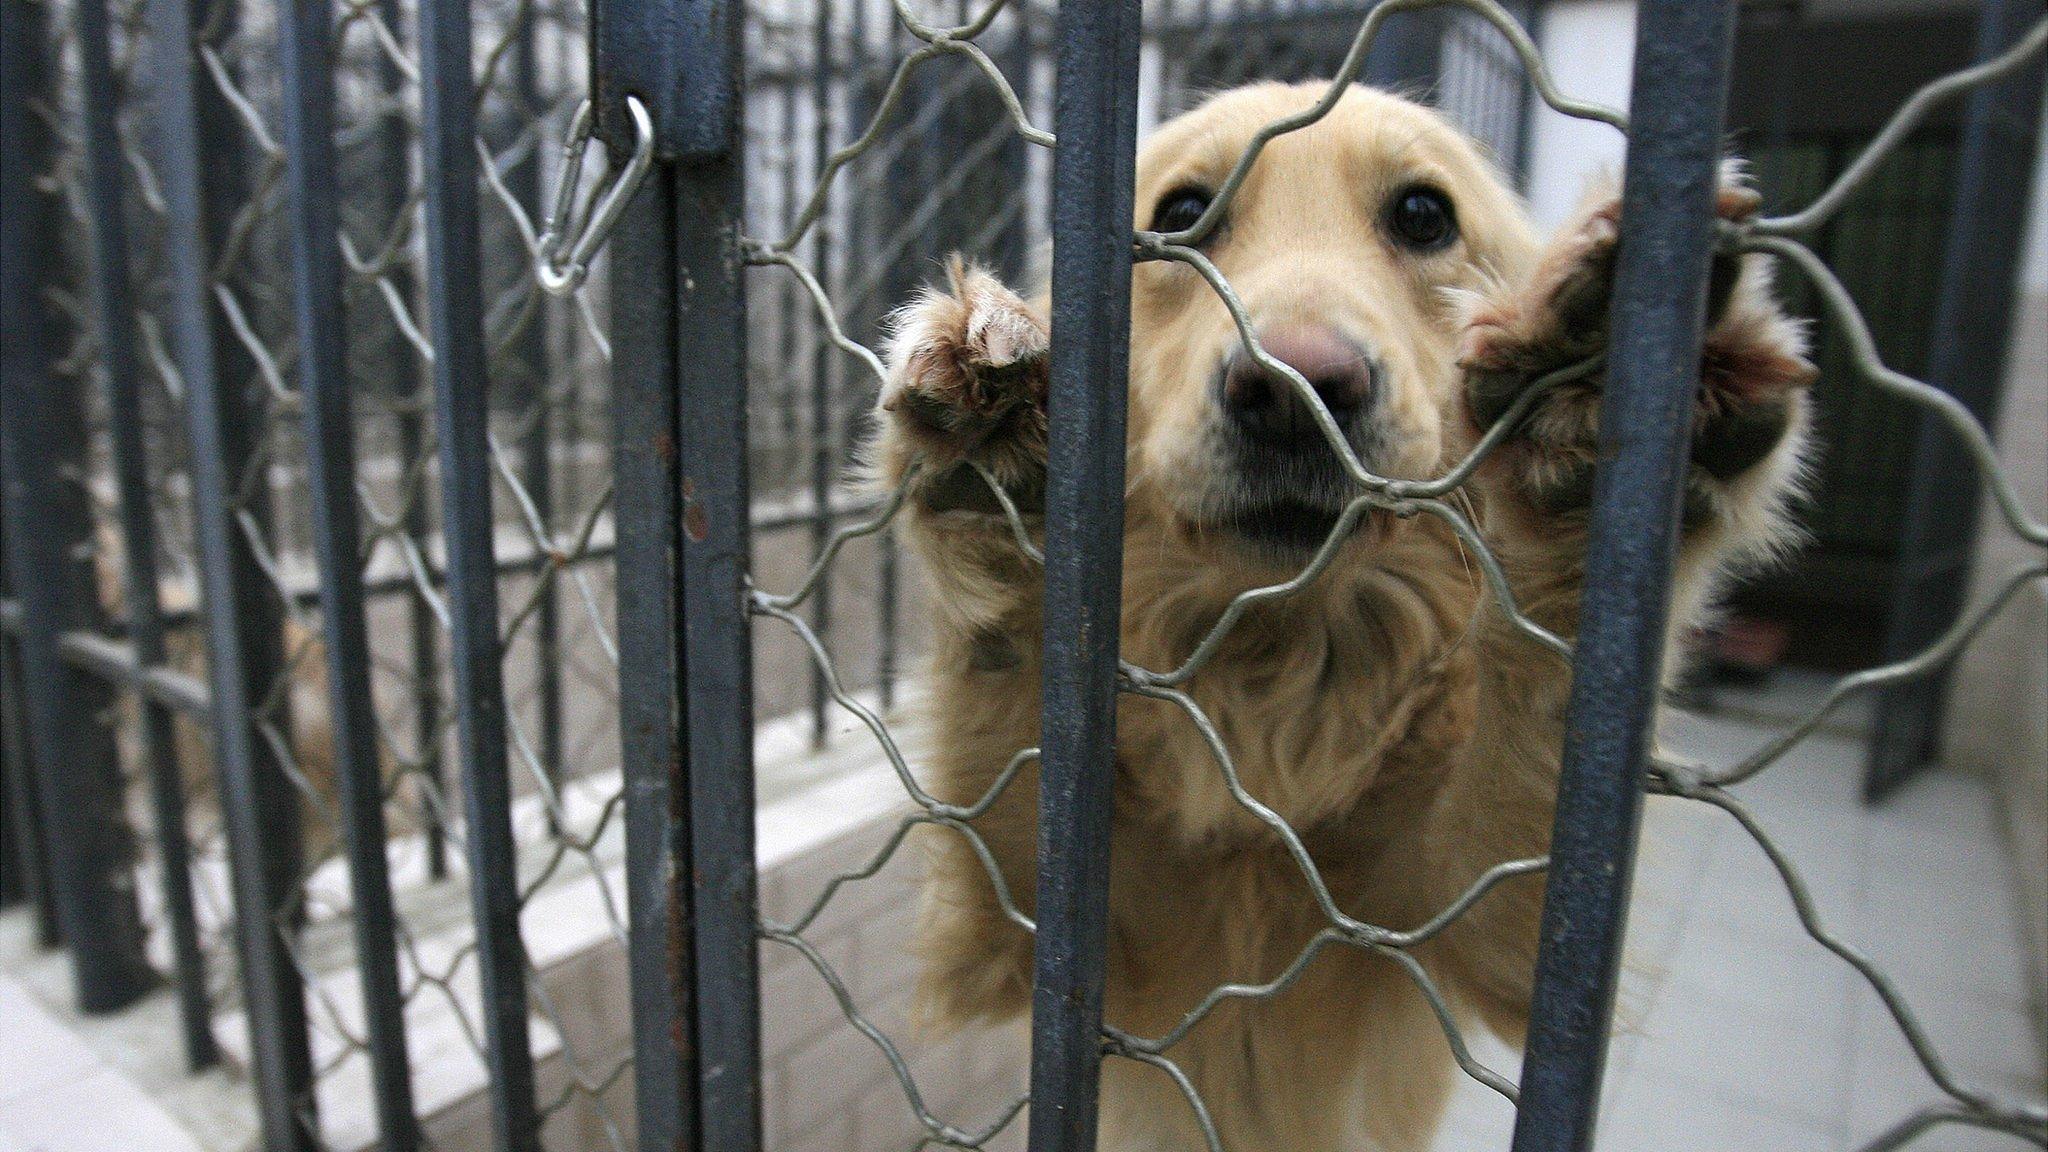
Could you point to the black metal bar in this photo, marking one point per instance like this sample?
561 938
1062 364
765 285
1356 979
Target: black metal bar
860 98
536 464
658 890
788 292
22 875
537 474
17 854
402 383
115 661
886 612
646 364
114 321
423 631
1095 118
22 871
1013 250
222 184
1527 101
28 851
822 360
314 225
717 657
1667 227
692 120
462 412
765 518
49 536
1967 359
199 176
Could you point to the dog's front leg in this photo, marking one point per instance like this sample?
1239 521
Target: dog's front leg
962 417
1749 426
964 405
1749 430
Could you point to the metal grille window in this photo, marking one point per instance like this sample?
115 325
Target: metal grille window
409 524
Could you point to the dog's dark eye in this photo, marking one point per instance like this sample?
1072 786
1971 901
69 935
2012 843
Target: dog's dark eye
1422 218
1179 209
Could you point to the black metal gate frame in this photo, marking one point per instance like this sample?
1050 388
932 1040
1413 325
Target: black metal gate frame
668 95
702 1077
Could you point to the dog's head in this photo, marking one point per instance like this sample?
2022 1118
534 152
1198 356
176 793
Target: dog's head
1346 244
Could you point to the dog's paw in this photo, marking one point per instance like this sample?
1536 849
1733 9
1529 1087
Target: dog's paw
1752 365
966 366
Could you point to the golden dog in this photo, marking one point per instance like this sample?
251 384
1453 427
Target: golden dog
1389 711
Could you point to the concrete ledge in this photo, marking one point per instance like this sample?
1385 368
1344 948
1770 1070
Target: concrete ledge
824 812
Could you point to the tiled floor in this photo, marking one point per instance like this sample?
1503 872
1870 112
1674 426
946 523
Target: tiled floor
1741 1032
58 1095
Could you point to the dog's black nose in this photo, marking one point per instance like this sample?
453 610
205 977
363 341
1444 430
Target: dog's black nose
1266 406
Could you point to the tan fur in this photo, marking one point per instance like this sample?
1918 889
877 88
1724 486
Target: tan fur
1388 711
305 658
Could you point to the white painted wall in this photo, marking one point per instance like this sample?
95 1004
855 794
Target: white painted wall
2035 275
1590 47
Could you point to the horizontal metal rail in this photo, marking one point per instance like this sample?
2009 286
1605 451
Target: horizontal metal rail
115 660
524 560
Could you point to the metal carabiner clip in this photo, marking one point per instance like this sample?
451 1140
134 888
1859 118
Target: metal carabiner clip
569 239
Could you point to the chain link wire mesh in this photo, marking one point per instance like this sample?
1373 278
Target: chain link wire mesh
1439 498
842 98
548 453
169 480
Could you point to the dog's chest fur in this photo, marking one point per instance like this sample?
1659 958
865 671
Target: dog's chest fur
1340 707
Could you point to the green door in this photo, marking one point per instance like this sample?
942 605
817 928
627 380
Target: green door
1886 245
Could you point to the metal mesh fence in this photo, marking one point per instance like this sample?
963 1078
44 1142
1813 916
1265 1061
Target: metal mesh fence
882 139
547 454
1963 1104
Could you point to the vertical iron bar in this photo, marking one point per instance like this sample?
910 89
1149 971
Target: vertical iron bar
403 385
1012 251
648 304
462 414
788 290
49 538
27 856
887 613
665 404
1527 103
537 472
821 361
314 224
658 890
1667 235
424 631
860 99
711 393
569 350
15 859
224 413
1983 251
1095 119
221 186
114 318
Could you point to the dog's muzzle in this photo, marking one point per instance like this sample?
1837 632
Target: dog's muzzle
1266 409
1289 485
